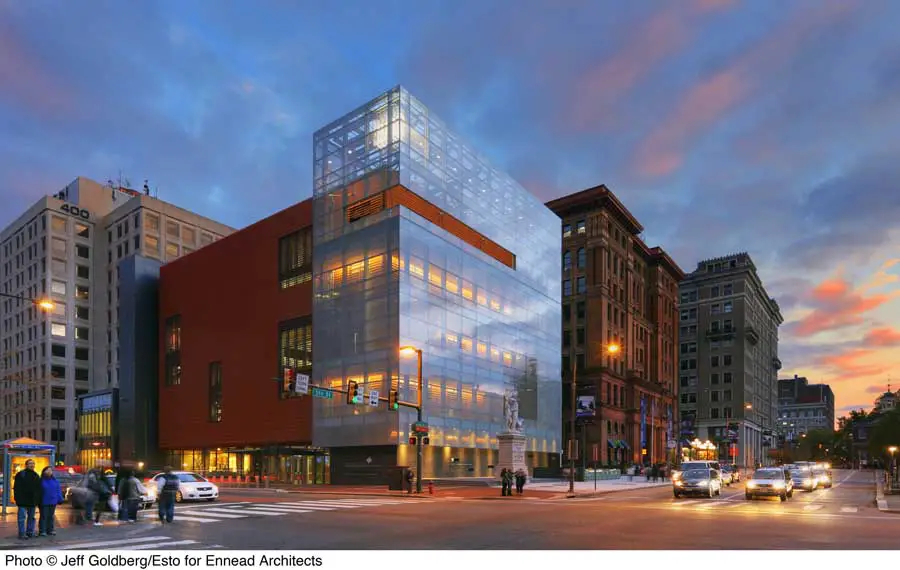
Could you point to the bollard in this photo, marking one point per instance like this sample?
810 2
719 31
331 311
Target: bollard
431 487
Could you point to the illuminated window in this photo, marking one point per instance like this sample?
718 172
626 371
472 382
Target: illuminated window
495 354
467 394
416 268
397 264
375 265
482 349
507 358
435 275
466 344
173 350
452 393
452 339
295 347
151 245
58 224
355 271
172 250
451 283
58 329
58 288
482 297
467 291
434 389
579 227
495 306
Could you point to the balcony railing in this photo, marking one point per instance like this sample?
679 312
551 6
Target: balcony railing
720 333
751 333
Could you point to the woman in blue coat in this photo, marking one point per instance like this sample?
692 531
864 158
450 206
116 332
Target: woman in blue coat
51 496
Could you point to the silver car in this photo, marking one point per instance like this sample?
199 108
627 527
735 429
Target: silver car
804 478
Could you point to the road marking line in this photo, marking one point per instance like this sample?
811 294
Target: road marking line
849 509
282 510
163 544
813 507
301 507
123 541
223 513
196 519
267 512
327 504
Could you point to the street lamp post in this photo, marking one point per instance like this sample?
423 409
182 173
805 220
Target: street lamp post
893 450
418 353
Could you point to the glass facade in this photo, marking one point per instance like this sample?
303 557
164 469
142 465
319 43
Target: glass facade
386 277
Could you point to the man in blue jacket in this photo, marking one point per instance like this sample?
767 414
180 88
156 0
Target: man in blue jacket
27 494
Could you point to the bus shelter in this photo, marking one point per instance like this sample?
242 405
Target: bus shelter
15 453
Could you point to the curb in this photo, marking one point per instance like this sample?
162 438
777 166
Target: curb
880 501
593 494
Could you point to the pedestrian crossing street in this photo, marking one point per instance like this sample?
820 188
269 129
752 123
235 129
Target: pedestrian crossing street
219 512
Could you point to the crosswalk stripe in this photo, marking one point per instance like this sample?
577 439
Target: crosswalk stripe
812 507
328 504
221 513
266 512
124 541
163 544
302 507
195 519
849 509
276 510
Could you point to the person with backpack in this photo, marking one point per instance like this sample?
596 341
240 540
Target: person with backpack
99 499
167 487
130 493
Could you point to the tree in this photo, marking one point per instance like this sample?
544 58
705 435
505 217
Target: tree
816 446
885 433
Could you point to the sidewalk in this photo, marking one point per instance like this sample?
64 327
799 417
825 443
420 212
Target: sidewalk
65 519
886 503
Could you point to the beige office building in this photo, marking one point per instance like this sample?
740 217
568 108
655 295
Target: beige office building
67 247
728 359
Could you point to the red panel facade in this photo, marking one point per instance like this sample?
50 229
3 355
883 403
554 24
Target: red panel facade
230 302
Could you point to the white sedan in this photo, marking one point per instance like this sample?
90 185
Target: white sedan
191 487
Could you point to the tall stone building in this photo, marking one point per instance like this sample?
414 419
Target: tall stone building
728 358
620 332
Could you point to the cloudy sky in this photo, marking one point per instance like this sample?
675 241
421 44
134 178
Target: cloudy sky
769 126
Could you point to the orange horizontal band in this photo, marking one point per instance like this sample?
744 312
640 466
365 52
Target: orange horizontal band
399 195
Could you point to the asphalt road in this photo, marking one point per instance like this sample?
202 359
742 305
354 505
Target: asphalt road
843 517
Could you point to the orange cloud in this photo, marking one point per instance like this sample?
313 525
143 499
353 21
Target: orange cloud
848 364
882 337
663 34
704 104
838 306
24 78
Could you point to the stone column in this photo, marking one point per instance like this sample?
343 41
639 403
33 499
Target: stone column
512 453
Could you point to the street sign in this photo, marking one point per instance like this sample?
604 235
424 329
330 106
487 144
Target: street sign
419 427
301 384
373 398
595 452
317 392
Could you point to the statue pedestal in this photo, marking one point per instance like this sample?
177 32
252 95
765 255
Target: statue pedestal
512 453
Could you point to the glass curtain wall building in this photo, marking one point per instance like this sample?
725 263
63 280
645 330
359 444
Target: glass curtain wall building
419 241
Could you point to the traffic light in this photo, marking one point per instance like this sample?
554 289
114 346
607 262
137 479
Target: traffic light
412 440
425 440
287 385
352 392
393 400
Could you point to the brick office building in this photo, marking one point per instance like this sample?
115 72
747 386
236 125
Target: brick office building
618 292
232 316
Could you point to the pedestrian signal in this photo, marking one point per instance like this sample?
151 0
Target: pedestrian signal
424 441
412 440
288 381
353 392
393 400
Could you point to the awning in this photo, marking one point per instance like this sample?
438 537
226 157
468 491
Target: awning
624 444
610 443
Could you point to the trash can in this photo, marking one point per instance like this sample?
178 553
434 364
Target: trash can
397 478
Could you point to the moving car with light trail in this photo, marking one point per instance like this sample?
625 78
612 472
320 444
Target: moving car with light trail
803 478
770 482
822 477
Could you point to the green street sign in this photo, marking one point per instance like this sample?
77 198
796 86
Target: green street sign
321 393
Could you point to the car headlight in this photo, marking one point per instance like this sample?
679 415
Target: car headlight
751 485
215 489
778 484
704 483
679 484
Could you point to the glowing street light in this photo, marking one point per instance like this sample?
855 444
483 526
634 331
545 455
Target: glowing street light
410 351
613 348
748 406
45 304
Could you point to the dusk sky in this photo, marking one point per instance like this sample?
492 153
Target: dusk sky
766 126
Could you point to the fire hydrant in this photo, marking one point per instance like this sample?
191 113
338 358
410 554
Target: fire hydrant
431 487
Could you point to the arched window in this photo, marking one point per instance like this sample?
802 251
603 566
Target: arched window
582 258
567 260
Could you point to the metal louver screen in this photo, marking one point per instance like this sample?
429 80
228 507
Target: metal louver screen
366 207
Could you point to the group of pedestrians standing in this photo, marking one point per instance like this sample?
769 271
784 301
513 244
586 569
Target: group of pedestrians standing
36 492
508 477
91 497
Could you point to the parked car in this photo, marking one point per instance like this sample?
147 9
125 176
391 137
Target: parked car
770 482
706 482
191 487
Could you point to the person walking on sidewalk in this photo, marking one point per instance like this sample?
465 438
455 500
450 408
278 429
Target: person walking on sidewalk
51 495
521 476
27 494
129 496
99 499
410 477
167 487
